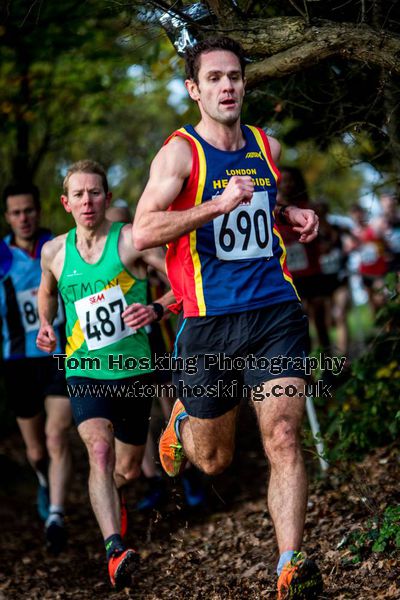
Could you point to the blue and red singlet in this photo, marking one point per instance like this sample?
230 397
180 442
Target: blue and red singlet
237 261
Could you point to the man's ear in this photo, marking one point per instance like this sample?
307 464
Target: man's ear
65 203
193 89
108 199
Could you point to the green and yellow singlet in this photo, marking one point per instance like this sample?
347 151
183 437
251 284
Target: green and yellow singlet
99 344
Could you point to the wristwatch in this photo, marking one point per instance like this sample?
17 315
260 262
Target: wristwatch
158 309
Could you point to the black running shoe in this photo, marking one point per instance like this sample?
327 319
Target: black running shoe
56 536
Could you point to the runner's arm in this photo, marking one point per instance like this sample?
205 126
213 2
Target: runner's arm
302 220
138 315
154 225
47 302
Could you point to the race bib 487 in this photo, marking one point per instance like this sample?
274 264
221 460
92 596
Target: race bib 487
100 318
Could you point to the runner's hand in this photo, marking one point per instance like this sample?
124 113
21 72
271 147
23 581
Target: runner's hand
138 315
304 221
46 339
239 189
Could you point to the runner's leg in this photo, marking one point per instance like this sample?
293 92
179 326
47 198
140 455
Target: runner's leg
279 420
58 421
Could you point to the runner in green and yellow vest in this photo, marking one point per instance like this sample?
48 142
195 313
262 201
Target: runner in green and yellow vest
102 279
95 296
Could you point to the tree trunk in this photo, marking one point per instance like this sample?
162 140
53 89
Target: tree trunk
20 165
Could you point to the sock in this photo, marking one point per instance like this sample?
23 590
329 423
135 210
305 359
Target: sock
283 559
114 545
178 420
56 515
41 469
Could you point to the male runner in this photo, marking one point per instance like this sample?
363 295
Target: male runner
211 196
388 223
334 276
371 244
303 261
102 280
33 383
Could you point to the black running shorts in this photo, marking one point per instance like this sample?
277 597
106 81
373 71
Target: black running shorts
116 400
248 348
28 381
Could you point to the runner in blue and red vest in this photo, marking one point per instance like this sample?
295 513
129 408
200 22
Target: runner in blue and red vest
211 197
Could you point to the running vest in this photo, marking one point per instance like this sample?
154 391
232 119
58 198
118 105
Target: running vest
303 260
236 262
373 262
99 344
332 258
20 275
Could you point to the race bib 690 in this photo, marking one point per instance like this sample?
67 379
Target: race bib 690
245 232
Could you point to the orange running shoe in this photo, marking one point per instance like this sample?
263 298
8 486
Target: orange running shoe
121 568
124 513
300 579
172 455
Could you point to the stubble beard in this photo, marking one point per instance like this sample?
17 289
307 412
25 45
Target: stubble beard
227 119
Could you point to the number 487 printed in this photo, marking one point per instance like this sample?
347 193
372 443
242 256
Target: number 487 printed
100 318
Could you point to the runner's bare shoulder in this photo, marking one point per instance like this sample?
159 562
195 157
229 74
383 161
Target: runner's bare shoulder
275 147
175 157
53 252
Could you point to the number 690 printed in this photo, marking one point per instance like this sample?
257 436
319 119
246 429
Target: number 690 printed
245 232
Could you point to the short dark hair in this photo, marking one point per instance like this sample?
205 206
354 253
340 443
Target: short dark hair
86 166
16 189
193 53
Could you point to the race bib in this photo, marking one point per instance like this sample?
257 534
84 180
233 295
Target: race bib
28 308
296 257
100 318
331 262
245 232
369 254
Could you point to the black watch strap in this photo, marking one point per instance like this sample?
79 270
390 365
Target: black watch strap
282 215
158 309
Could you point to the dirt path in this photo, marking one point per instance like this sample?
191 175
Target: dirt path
228 552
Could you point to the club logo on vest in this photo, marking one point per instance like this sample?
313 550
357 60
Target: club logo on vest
74 273
254 155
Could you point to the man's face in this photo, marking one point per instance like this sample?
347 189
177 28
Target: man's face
86 199
22 216
388 204
358 216
220 89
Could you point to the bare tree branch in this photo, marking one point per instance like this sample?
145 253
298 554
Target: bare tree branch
301 12
224 9
291 45
362 18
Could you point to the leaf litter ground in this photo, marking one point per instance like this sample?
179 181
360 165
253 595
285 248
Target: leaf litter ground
222 552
